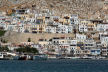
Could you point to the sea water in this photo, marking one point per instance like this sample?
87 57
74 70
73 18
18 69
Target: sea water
54 66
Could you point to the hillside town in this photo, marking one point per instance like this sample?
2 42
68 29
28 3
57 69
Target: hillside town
89 37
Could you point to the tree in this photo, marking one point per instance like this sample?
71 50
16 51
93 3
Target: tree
2 32
3 40
27 49
4 49
29 39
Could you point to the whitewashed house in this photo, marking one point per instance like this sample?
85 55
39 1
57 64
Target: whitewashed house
104 39
102 27
70 28
74 19
83 26
3 23
62 29
73 45
11 27
80 37
50 29
89 44
19 27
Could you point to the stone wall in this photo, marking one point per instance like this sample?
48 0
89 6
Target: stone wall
23 37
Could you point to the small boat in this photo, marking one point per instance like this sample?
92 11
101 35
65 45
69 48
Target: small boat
22 58
40 57
1 56
87 57
75 57
16 57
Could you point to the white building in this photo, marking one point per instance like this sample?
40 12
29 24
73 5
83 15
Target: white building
74 19
104 39
70 28
80 37
89 44
83 26
50 29
102 27
73 45
62 29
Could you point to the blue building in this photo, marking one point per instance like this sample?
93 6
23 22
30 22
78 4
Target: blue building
95 52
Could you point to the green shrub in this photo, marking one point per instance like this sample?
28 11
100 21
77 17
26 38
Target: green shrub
27 50
2 32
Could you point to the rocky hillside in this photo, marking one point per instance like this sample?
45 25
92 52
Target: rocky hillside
92 9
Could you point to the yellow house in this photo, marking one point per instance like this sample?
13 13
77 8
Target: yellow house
39 28
86 52
24 16
66 20
91 26
78 52
41 19
84 22
61 20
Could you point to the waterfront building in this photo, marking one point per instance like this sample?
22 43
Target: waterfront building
89 44
95 52
78 52
104 51
73 46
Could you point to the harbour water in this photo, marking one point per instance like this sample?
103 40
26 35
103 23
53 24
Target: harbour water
54 66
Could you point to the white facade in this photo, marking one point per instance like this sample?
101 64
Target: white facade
62 29
73 45
50 29
70 29
80 37
83 26
74 19
102 27
104 39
